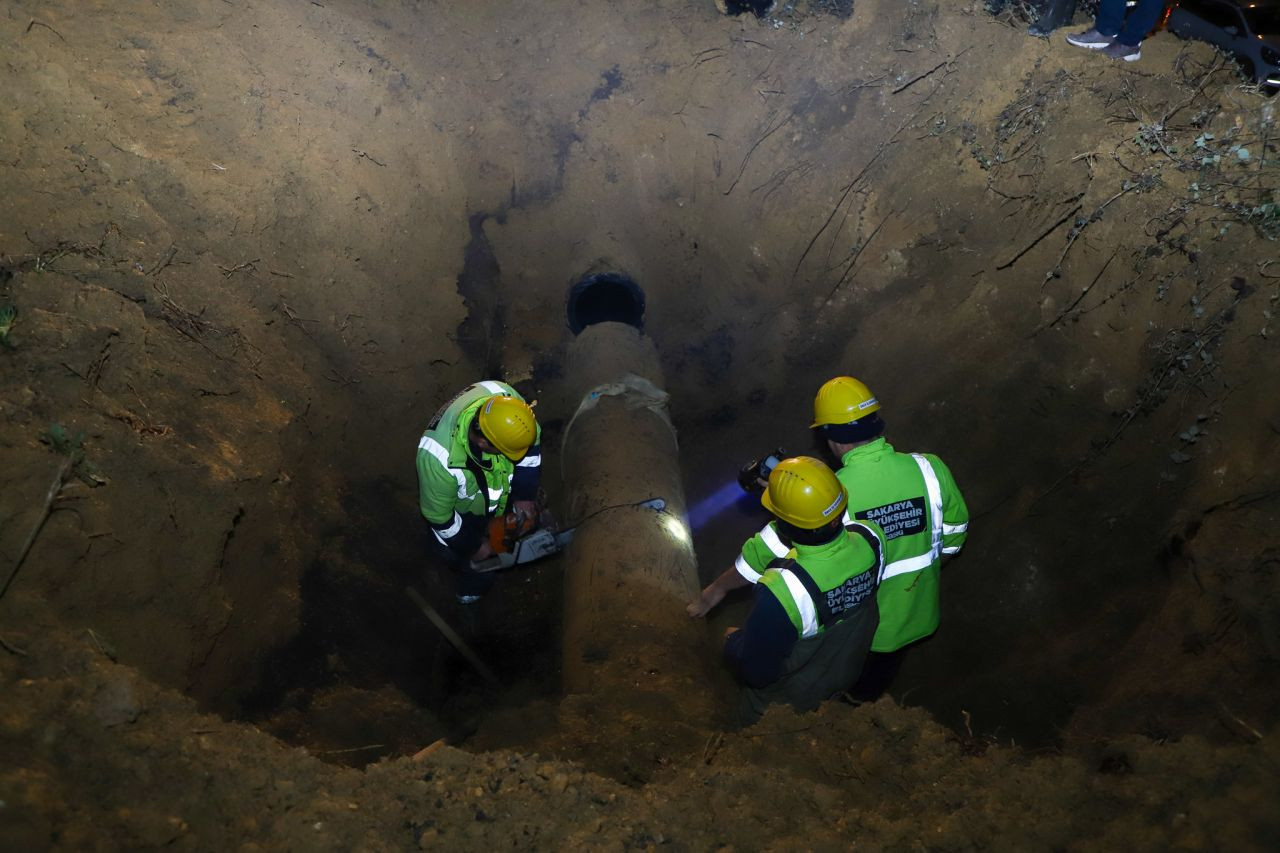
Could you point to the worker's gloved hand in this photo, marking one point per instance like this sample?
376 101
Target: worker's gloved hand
525 510
484 552
703 604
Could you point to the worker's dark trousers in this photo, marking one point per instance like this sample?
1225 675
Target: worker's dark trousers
466 581
819 667
1129 28
877 674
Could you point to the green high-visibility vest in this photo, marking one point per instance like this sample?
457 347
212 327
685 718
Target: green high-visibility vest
447 471
914 499
834 613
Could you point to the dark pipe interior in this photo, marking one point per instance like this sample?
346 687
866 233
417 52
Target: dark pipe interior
605 297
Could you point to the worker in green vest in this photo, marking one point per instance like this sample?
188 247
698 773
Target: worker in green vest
914 499
912 496
479 455
814 614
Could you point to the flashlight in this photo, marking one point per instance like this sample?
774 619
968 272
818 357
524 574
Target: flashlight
754 476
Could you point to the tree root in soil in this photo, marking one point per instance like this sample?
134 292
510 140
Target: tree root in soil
46 509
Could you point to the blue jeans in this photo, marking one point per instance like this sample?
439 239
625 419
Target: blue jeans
1111 20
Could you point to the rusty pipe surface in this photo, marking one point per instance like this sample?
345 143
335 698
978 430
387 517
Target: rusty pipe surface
630 570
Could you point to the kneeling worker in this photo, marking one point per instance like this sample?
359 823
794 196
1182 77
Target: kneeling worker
815 611
480 453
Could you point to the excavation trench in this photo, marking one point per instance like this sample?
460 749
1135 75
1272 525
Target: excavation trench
368 676
365 671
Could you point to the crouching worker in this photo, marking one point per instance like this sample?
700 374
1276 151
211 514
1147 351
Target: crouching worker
815 611
480 454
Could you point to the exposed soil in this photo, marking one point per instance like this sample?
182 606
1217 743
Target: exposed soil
252 246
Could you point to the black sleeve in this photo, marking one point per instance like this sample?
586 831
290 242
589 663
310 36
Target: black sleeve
465 542
525 480
758 651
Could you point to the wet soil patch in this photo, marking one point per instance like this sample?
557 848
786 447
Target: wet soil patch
480 334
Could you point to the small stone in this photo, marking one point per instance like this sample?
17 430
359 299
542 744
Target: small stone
428 838
559 782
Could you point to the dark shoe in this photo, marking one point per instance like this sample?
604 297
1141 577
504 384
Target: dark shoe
759 8
1090 39
470 587
1122 52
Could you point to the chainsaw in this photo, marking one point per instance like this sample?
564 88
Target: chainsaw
518 539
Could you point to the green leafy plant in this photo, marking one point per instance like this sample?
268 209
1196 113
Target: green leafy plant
63 442
72 446
1266 218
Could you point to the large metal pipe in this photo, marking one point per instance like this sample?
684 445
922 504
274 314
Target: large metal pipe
630 570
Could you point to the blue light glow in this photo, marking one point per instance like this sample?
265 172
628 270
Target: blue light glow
715 503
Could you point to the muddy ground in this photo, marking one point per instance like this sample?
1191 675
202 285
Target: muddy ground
252 246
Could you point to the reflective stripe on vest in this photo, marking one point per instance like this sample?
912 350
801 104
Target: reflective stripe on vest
773 542
744 568
933 491
450 531
804 603
494 388
441 455
438 450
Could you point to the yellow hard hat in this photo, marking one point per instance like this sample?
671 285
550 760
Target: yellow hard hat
803 492
843 400
509 424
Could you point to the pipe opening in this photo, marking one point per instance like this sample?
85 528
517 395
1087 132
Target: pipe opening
605 297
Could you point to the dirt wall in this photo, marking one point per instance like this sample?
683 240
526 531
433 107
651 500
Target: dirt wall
252 247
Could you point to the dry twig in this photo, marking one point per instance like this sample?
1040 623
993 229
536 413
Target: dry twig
46 509
35 23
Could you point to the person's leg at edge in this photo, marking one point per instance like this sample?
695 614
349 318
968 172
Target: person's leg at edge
1140 21
1110 18
468 585
471 585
